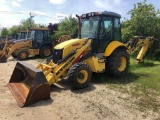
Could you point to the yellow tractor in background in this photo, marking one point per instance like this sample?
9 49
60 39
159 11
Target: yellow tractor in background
11 37
98 49
37 43
23 34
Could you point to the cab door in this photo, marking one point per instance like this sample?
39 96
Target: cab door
38 39
105 33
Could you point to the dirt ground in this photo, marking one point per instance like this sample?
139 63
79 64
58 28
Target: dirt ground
97 102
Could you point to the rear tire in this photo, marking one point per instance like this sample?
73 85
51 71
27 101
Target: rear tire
45 51
118 63
22 55
79 75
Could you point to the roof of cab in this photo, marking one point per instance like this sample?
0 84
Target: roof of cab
109 13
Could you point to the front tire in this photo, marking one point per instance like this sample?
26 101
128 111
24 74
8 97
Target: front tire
118 63
79 75
22 55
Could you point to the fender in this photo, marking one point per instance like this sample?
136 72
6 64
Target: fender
112 46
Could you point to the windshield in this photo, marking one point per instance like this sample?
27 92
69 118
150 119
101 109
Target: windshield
89 27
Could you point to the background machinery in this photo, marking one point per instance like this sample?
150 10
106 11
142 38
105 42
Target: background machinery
23 34
98 49
38 43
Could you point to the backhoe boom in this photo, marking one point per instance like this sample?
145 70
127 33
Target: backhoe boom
142 43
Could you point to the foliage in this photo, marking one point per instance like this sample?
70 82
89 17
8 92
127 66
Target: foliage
4 31
15 29
144 21
67 26
28 23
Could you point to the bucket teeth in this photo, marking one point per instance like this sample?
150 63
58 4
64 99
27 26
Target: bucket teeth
28 85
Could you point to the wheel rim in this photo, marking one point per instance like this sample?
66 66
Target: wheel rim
46 52
122 64
23 55
82 76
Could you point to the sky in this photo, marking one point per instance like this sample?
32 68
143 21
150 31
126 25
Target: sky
53 11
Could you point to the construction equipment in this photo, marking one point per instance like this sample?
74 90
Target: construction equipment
38 43
11 37
23 34
98 49
142 43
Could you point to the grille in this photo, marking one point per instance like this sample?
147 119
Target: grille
57 55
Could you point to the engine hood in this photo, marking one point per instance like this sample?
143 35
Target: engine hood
74 43
69 46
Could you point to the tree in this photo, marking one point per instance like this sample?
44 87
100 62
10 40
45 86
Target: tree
28 23
15 29
145 21
67 26
4 32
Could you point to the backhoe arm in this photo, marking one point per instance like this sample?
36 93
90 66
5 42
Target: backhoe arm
144 43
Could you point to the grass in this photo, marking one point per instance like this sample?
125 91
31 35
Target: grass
146 75
142 82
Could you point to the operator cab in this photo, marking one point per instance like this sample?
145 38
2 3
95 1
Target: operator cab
40 36
102 27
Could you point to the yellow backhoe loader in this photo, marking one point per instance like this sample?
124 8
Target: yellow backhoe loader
98 49
38 43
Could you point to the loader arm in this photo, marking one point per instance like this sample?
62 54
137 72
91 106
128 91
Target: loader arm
142 43
29 85
7 51
54 71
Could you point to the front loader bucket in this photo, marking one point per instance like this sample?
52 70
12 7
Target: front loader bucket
28 85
